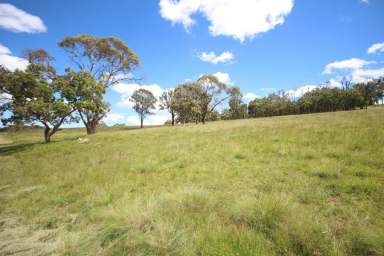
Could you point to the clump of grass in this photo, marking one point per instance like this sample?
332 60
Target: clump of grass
326 175
240 156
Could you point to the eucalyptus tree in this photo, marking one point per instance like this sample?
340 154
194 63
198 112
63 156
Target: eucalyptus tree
237 109
186 102
167 101
35 96
212 93
109 61
85 95
144 102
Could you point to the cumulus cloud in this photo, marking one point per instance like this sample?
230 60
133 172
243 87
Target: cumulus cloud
350 64
9 61
159 118
378 47
301 91
249 96
365 75
215 59
239 19
334 83
126 90
223 77
16 20
114 118
4 50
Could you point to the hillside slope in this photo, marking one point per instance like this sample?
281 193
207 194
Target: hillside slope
293 185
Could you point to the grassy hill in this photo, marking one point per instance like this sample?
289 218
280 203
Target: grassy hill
292 185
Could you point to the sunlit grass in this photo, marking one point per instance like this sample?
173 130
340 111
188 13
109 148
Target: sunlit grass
293 185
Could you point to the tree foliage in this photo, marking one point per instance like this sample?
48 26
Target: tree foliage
322 99
34 96
86 96
144 102
167 101
195 101
108 60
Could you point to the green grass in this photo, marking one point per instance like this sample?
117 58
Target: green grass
293 185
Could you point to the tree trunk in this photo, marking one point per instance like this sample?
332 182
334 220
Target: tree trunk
203 117
90 123
91 128
173 118
141 122
47 135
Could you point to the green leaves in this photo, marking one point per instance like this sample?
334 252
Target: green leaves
108 59
144 102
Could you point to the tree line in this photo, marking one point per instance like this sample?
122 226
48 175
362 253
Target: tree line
39 94
322 99
196 102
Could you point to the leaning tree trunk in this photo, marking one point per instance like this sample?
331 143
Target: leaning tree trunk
47 134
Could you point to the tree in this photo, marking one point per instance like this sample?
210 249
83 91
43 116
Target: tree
195 101
372 91
35 97
167 101
144 102
210 94
108 60
237 109
186 102
86 96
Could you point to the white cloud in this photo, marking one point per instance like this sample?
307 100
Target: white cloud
249 96
4 50
16 20
215 59
301 91
223 77
114 118
353 64
9 61
5 98
334 83
378 47
365 75
364 1
239 19
159 118
126 90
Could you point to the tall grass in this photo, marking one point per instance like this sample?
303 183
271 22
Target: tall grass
293 185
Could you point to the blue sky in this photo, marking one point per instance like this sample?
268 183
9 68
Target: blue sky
267 45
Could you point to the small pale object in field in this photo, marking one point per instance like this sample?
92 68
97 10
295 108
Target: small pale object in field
82 141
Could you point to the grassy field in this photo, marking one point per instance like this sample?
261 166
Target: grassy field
293 185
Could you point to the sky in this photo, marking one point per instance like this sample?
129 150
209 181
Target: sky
259 45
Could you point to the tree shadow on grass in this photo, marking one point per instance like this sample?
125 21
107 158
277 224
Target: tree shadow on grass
11 149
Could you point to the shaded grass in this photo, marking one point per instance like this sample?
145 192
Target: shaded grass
293 185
